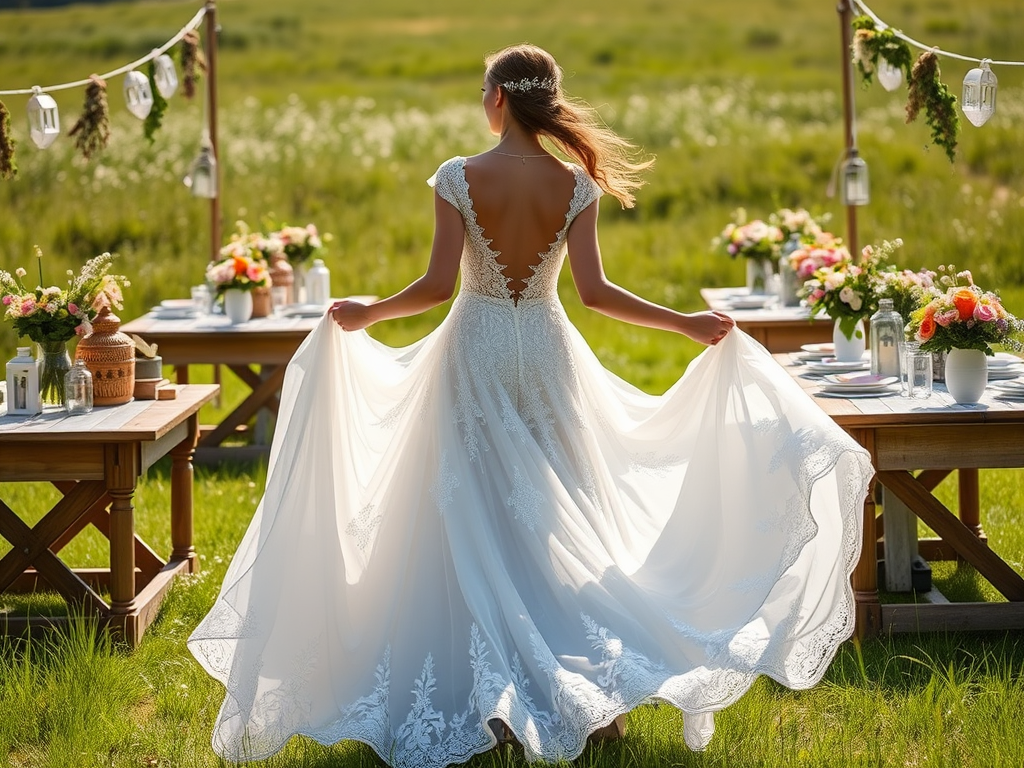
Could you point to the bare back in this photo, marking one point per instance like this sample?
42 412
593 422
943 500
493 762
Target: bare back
521 206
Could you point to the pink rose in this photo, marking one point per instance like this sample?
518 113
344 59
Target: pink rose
28 306
985 313
72 308
254 273
7 300
945 318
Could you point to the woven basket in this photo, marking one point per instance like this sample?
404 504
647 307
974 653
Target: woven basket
261 304
109 355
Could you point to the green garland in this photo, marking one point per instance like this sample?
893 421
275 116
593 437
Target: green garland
8 169
925 89
870 44
92 130
155 117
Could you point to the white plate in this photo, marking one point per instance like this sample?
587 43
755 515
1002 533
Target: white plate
1003 359
749 302
1010 385
1016 397
178 304
859 379
835 390
887 392
834 366
303 310
825 349
171 313
1009 372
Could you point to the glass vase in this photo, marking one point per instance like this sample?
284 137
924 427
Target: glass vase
56 364
759 275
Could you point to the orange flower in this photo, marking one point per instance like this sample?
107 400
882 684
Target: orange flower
927 329
965 300
241 265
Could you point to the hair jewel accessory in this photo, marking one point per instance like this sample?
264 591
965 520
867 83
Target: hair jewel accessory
528 84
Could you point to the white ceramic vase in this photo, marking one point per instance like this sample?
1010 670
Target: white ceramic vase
966 374
849 350
237 305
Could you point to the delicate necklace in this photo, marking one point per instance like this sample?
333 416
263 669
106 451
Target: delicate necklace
521 157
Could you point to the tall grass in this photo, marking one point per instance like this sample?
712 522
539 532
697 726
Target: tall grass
337 113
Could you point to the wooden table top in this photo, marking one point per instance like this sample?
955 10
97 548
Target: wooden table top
893 410
136 421
719 299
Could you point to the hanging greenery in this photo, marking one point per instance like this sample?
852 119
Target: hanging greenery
8 169
926 89
192 61
870 44
92 131
155 117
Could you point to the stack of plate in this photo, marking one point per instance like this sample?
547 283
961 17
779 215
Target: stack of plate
861 385
1012 389
831 365
174 309
749 300
814 352
1004 366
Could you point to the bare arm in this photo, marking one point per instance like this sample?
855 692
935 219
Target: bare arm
598 293
434 287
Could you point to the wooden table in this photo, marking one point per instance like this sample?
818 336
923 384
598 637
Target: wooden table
95 461
257 352
780 329
932 438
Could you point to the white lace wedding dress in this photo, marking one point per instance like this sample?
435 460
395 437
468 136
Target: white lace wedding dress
488 525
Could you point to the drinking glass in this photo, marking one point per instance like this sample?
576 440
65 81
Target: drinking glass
907 348
202 299
920 374
278 297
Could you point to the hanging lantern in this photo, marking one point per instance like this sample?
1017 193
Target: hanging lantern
137 94
165 75
854 187
43 119
978 100
202 176
891 77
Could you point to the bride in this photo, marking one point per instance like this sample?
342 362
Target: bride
487 530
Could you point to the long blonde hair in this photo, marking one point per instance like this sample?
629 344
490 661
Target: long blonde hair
532 82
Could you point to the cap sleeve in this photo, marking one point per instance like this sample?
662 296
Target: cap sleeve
447 179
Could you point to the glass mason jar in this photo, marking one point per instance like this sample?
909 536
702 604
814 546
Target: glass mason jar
885 335
78 389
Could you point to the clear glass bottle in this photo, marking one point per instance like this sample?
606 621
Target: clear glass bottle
885 335
318 284
789 284
78 389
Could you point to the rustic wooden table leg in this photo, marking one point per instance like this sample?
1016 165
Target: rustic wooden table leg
970 504
865 574
182 477
121 471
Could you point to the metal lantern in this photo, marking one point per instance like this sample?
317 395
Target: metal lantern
43 119
165 75
137 94
978 100
891 77
854 187
202 176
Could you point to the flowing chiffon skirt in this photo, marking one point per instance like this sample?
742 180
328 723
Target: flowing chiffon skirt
488 524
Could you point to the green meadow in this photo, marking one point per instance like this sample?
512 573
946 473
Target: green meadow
336 113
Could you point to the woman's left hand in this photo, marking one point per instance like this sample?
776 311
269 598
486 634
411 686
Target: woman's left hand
350 315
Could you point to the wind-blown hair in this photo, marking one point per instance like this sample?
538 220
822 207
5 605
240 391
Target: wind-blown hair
532 82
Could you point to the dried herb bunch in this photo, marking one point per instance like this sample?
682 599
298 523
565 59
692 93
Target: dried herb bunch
8 170
192 60
92 131
155 118
870 44
926 89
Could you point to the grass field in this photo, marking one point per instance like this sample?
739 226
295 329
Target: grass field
335 112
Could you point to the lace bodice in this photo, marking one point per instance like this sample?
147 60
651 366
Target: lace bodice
481 270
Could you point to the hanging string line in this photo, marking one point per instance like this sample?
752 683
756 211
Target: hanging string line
882 25
193 24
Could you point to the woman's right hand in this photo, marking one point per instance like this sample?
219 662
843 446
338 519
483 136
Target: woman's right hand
708 327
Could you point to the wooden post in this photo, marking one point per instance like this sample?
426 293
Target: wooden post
865 574
121 468
211 100
845 10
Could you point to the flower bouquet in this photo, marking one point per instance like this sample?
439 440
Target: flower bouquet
241 267
755 239
52 316
964 317
844 292
799 222
827 251
300 244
